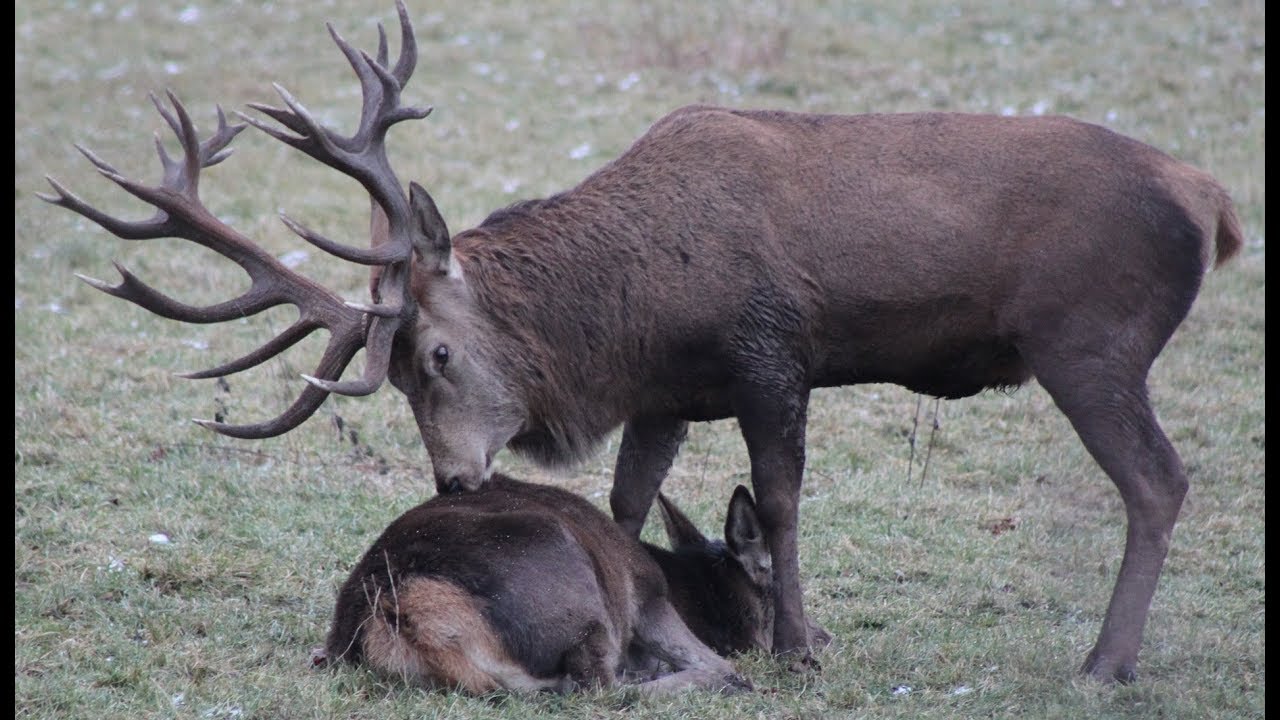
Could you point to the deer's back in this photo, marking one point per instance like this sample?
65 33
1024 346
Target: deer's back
538 563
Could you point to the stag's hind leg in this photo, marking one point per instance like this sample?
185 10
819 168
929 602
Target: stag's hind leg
1107 404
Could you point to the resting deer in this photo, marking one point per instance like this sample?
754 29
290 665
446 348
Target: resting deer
725 265
526 587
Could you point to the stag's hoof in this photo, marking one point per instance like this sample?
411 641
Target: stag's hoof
819 638
1105 669
801 662
735 684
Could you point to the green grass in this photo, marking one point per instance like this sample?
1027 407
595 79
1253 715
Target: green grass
909 575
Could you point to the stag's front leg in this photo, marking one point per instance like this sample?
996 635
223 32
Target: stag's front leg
773 426
649 445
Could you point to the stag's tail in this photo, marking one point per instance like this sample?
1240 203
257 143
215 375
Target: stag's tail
1229 238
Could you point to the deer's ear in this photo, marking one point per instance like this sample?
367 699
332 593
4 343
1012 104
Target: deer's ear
742 529
431 239
680 531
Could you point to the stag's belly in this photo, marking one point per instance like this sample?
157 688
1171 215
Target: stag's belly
947 372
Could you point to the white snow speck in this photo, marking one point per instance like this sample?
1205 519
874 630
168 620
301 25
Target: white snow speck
115 71
581 151
294 258
961 690
512 125
628 82
159 539
190 15
1008 110
1040 108
196 344
901 690
172 68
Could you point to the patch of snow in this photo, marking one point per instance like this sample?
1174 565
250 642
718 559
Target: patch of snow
294 258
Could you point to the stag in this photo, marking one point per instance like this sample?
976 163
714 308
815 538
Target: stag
526 587
725 265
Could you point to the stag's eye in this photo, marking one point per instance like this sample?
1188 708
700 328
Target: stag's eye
440 357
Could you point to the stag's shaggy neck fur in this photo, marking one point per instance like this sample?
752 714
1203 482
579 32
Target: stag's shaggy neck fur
532 269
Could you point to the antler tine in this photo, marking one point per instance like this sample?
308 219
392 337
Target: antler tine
378 255
284 117
217 147
342 348
382 45
377 361
304 407
276 345
408 59
143 295
139 230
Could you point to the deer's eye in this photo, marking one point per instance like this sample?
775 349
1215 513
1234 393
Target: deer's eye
440 357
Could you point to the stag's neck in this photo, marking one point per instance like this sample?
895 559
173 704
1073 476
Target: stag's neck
552 279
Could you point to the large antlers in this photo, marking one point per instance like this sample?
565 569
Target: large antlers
180 213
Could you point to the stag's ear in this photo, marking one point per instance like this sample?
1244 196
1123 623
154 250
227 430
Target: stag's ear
680 531
742 529
432 244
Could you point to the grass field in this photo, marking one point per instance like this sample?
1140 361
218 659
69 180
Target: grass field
973 592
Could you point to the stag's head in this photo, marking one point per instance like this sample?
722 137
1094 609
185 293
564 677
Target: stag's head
421 328
448 368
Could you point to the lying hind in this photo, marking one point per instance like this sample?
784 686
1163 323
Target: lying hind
526 587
